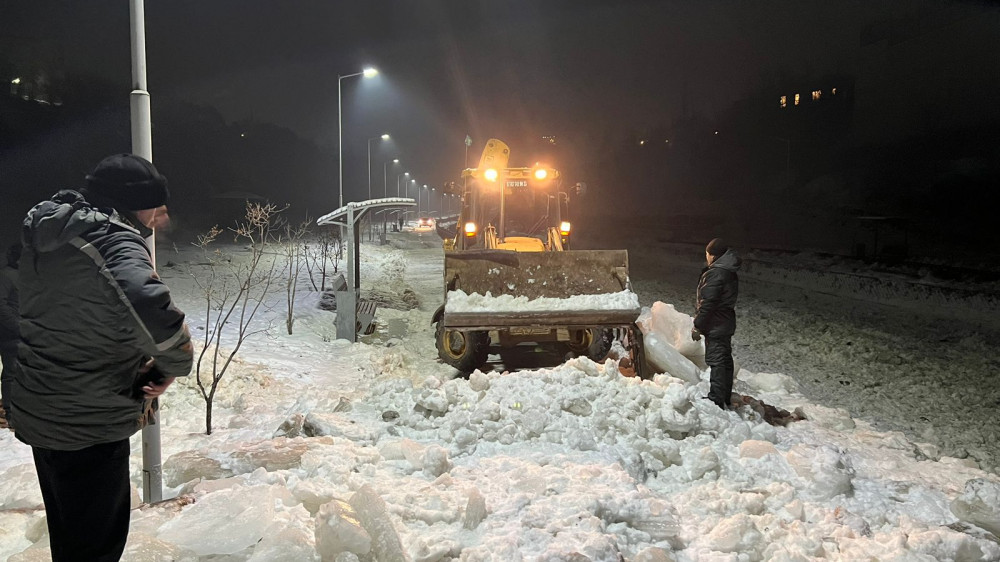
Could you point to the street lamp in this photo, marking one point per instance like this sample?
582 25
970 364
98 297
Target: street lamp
398 177
385 177
385 136
407 193
367 73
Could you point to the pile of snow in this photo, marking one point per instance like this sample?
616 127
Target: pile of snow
330 451
459 301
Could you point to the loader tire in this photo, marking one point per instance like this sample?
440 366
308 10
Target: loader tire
465 351
595 343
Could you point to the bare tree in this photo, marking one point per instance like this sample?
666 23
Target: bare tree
294 253
234 290
324 250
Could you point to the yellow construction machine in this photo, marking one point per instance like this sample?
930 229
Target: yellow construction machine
511 247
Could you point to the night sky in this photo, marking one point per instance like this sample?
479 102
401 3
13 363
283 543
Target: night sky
587 72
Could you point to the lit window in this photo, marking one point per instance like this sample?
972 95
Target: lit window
796 99
817 94
783 101
834 91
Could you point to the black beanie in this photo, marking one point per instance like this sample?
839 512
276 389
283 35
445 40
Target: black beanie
717 247
129 182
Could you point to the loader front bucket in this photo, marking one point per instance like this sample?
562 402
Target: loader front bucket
534 275
537 274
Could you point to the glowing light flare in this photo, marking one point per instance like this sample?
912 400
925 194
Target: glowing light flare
564 228
15 81
369 72
491 174
385 136
541 174
470 229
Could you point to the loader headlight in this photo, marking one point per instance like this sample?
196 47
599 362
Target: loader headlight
490 174
564 228
541 173
470 229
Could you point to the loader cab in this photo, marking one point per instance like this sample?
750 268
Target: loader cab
513 208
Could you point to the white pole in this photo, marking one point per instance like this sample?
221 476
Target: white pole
370 168
340 146
142 145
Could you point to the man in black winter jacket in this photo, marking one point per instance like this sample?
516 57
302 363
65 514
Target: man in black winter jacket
715 317
95 323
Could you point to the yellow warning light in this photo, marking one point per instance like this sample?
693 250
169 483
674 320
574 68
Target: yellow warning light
470 229
490 174
564 228
541 174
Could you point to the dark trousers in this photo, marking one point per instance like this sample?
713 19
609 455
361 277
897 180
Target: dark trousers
719 356
87 497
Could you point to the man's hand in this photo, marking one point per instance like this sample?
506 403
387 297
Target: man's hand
695 335
152 389
153 382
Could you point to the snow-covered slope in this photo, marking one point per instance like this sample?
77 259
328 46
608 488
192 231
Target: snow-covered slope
376 449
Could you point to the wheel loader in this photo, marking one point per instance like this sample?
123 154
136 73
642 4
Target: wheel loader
510 277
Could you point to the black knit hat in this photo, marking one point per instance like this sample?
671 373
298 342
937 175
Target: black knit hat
129 183
717 247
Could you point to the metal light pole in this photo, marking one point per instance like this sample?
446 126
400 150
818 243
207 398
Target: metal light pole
142 145
385 177
367 73
417 187
385 136
398 177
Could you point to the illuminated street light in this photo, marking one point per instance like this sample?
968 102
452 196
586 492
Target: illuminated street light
385 176
398 178
385 137
367 73
15 81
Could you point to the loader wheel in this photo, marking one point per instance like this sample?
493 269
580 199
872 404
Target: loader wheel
465 351
595 343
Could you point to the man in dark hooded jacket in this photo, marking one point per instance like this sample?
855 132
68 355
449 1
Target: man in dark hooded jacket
715 317
96 323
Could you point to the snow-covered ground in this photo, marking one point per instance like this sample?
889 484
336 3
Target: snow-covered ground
378 449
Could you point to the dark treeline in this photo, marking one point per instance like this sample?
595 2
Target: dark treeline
809 176
212 166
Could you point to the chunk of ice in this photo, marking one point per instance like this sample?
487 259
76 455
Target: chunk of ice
339 530
374 517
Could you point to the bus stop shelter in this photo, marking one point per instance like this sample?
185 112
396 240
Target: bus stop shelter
350 217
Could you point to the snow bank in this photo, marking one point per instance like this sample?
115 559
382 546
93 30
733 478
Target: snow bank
320 444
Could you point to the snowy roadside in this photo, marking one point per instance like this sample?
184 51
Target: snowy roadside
910 369
567 463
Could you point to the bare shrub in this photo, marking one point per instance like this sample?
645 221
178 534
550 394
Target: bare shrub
234 289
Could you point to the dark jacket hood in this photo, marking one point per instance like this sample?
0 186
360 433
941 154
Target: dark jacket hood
52 224
729 260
